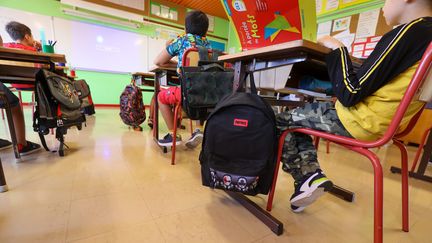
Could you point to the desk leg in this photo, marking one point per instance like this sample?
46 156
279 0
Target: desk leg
274 224
156 107
420 173
3 186
342 193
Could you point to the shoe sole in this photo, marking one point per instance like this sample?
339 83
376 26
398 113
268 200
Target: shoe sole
31 151
168 144
193 143
6 147
298 209
310 196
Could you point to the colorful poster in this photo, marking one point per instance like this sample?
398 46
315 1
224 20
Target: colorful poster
263 22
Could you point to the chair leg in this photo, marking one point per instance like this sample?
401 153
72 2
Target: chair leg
327 146
33 103
20 99
404 173
3 117
173 150
316 142
378 192
191 126
420 149
276 171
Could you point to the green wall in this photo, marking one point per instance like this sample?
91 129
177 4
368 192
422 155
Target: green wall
105 87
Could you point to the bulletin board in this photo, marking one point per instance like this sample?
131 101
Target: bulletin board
359 32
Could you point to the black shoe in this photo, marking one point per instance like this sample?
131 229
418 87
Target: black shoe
313 186
195 140
5 144
30 148
168 140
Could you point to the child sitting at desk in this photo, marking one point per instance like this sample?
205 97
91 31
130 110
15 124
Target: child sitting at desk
196 25
23 38
24 147
367 99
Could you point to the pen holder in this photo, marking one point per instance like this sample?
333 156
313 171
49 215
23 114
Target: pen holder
48 48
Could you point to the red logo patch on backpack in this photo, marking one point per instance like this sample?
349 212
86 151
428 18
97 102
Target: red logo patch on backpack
241 123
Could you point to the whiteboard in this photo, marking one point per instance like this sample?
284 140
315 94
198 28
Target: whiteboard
155 46
35 22
100 48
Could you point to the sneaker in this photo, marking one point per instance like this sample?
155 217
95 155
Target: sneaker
310 189
5 144
30 148
195 140
296 209
168 140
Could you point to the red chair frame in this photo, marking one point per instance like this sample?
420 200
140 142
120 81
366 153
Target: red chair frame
178 107
363 147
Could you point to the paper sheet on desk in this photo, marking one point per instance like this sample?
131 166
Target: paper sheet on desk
346 38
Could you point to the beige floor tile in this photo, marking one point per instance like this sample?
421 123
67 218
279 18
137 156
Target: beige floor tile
146 232
33 223
96 215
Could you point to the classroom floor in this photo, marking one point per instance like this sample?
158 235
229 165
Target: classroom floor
115 185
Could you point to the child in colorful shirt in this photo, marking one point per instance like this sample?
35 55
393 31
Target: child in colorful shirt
196 25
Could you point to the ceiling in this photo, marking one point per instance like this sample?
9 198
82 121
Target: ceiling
212 7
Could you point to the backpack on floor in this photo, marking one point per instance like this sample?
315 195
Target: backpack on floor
132 110
57 106
240 145
204 85
87 106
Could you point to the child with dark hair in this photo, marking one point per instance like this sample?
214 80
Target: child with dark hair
23 39
24 147
196 25
22 36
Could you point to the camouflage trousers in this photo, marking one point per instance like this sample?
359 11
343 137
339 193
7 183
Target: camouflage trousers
299 155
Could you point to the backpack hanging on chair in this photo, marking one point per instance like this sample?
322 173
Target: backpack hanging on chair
240 144
132 110
204 85
57 106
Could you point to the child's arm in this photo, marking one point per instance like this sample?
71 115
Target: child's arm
395 52
165 56
164 59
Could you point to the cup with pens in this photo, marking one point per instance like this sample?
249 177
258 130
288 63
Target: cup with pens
49 48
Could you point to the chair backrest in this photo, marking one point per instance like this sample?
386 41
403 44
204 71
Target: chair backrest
191 57
420 81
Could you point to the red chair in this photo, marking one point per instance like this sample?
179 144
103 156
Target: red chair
190 58
420 81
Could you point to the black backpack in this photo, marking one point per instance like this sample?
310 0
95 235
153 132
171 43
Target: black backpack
57 106
203 86
240 145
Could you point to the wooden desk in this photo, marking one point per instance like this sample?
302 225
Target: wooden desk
20 66
163 77
306 57
146 79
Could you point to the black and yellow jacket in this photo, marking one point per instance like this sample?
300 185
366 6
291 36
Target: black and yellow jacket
368 98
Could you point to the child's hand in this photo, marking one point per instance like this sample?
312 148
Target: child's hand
37 45
330 42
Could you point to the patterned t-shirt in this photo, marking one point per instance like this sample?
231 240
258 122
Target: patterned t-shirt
183 42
